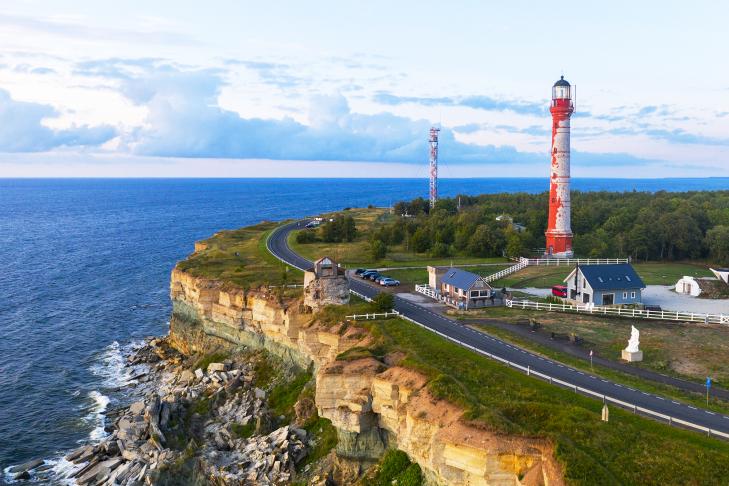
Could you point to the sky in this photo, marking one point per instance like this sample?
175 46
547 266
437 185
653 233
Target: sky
231 88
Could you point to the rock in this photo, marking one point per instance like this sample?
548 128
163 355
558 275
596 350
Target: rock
259 393
27 466
199 374
187 376
216 367
137 408
21 476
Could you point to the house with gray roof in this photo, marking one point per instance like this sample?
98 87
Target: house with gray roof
614 284
463 289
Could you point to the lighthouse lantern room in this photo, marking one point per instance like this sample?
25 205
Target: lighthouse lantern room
559 232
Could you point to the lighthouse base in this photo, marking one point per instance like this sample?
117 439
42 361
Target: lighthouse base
559 245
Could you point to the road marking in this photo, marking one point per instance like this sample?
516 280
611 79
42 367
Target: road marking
692 408
710 413
673 401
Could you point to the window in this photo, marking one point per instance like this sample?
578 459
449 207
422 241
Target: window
474 293
625 295
632 295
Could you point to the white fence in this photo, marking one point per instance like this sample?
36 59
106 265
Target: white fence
361 296
427 290
574 261
523 263
621 311
378 315
578 389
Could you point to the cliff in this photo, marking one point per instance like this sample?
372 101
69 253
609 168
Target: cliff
373 403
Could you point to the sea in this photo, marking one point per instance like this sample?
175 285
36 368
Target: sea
85 267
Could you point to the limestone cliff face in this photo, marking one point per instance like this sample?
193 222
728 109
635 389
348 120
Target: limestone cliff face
372 405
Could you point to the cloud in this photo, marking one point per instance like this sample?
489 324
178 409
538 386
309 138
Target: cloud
22 129
185 120
86 31
478 102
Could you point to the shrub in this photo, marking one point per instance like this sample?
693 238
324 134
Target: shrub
383 302
306 236
378 250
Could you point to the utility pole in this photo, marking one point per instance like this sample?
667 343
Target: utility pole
433 142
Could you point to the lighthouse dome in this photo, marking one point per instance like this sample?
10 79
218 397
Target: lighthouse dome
561 82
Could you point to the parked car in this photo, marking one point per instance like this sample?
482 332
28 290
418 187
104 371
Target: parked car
368 273
389 282
360 271
374 276
312 224
559 291
379 278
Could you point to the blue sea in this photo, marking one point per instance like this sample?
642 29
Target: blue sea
85 265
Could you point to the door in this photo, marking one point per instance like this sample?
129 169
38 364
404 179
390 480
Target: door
608 299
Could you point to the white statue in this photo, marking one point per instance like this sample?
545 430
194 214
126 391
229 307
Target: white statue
634 340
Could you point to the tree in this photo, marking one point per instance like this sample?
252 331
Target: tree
439 250
383 302
515 244
378 250
717 240
420 241
306 236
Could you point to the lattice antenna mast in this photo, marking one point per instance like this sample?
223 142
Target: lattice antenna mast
433 142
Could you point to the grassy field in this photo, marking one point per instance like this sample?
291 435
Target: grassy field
654 273
241 258
356 253
627 450
420 275
697 399
691 351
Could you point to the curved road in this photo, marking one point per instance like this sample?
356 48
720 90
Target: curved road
278 245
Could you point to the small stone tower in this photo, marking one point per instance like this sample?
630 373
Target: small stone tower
325 284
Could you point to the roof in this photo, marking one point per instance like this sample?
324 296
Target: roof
460 279
561 82
610 277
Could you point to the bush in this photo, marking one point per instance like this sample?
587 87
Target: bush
306 236
396 468
383 302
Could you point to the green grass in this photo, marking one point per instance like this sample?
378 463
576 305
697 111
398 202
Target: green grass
395 467
240 257
325 439
687 351
205 361
283 396
242 431
420 275
627 450
696 399
653 273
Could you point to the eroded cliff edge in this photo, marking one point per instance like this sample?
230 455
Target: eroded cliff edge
374 403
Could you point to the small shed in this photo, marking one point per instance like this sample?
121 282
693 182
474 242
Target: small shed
689 285
325 283
464 290
612 284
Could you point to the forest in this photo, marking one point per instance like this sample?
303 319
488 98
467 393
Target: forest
645 226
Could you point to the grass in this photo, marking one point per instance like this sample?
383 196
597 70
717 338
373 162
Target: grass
697 399
205 361
240 257
325 439
592 452
653 273
284 395
395 467
689 351
420 275
243 431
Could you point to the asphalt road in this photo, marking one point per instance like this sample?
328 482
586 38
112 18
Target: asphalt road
278 246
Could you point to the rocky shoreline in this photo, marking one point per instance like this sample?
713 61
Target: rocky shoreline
208 425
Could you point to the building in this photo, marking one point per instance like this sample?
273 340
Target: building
326 283
614 284
721 273
689 285
559 232
464 290
509 221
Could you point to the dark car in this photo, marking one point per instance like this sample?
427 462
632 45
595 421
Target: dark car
559 291
360 271
374 276
367 273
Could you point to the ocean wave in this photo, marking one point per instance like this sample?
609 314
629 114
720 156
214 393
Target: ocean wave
96 415
111 365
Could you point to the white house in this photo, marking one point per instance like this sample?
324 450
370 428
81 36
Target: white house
613 284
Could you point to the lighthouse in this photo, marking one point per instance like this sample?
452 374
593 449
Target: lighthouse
559 232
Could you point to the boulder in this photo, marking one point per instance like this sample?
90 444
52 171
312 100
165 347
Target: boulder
137 408
199 374
216 367
27 466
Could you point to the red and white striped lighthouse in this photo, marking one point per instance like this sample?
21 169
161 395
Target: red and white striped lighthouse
559 232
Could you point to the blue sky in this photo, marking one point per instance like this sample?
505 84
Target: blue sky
236 88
